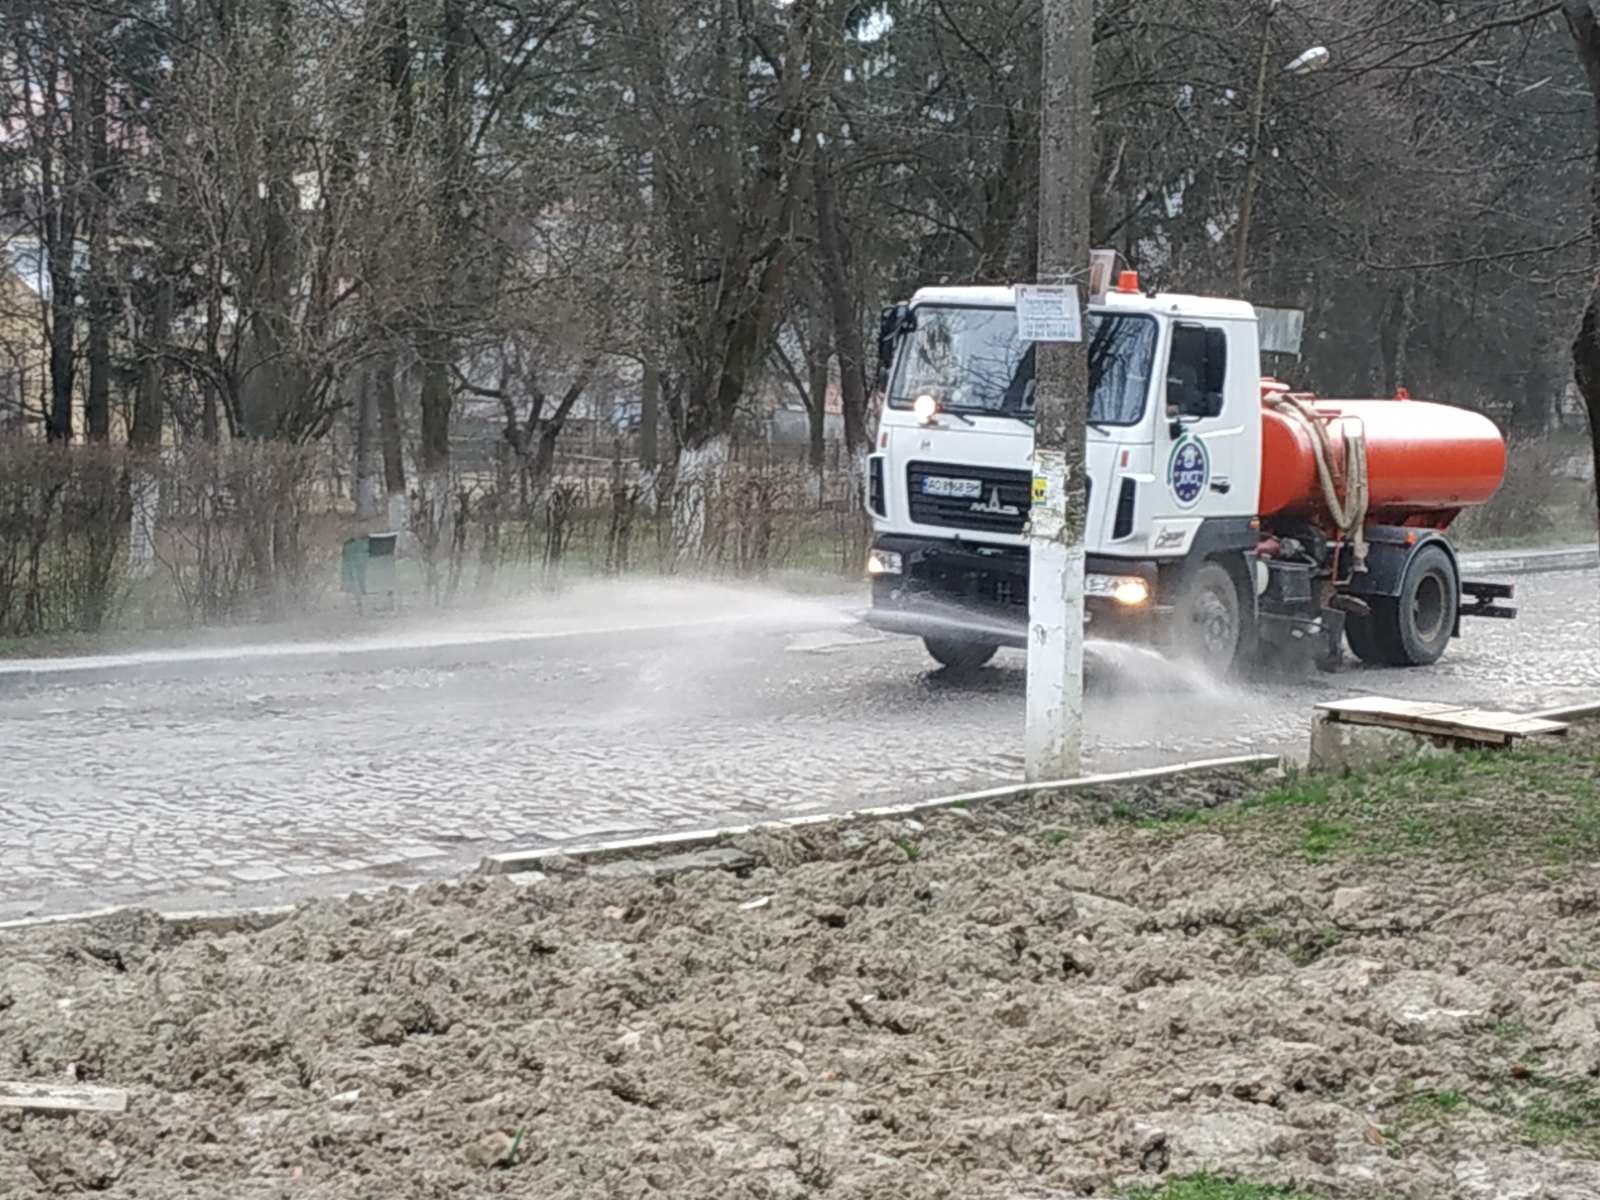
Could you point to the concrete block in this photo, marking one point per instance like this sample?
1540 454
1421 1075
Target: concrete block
1339 748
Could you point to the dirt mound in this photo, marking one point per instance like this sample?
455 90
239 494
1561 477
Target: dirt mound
997 1003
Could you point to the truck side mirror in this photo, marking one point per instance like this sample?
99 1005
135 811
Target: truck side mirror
892 322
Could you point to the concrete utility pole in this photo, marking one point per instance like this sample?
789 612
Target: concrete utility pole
1054 739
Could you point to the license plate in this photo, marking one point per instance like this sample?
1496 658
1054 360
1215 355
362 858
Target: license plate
960 489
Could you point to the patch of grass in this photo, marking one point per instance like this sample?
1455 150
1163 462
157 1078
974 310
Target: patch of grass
1443 1104
1510 1031
912 850
1055 837
1303 949
1538 805
1176 820
1215 1187
1314 945
1294 792
1323 839
1551 1111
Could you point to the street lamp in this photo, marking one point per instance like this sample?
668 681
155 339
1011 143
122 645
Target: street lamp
1313 59
1305 63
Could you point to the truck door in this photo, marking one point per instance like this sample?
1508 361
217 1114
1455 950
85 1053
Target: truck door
1201 440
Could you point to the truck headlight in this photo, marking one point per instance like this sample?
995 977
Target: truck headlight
883 562
1131 591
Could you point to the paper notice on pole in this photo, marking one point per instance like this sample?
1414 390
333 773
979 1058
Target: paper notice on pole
1048 313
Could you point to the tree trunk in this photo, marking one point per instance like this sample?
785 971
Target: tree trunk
367 474
1586 346
210 422
435 345
97 405
1396 337
61 165
649 415
391 438
149 402
434 460
697 486
817 406
1586 372
833 254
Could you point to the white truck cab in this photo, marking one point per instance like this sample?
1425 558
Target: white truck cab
1173 457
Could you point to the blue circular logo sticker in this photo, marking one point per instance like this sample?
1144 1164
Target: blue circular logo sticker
1188 471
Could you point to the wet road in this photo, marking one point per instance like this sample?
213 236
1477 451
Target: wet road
258 779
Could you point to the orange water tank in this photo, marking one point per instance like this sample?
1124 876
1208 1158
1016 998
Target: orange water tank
1425 462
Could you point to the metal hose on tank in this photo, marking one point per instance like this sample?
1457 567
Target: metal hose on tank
1349 512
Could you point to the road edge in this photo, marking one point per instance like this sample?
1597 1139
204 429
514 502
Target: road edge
1531 562
525 866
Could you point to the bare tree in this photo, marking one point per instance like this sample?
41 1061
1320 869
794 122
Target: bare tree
1585 31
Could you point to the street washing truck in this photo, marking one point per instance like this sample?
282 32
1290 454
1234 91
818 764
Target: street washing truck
1231 519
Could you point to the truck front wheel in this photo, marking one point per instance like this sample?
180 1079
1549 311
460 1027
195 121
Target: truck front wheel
959 655
1208 624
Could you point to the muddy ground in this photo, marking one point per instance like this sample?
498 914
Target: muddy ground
1384 987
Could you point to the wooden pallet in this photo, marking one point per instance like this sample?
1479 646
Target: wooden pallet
1456 722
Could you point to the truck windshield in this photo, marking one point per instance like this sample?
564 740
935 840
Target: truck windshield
969 360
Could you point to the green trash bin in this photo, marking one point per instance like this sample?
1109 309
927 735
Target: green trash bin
366 567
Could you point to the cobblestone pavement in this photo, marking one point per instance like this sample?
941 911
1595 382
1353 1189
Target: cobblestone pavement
266 781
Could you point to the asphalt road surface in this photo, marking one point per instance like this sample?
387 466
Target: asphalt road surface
250 775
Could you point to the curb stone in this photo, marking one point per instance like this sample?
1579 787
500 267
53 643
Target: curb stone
1529 562
570 858
651 855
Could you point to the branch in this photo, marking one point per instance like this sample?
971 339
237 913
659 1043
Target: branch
794 376
1472 259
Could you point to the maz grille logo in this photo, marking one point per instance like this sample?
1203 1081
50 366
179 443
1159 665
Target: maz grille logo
993 506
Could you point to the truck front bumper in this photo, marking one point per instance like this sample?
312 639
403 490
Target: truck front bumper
978 592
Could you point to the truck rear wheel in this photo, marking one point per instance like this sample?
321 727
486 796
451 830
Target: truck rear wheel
958 655
1208 624
1414 628
1426 607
